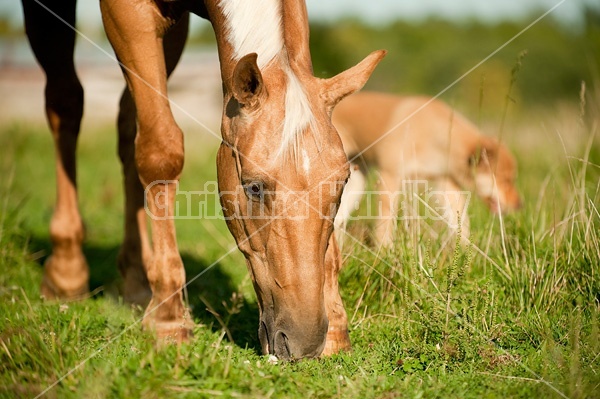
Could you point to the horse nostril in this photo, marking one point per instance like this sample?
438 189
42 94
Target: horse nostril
280 345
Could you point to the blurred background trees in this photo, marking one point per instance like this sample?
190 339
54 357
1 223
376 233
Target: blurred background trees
425 57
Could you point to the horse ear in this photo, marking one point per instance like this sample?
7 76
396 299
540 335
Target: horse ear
333 90
485 153
247 81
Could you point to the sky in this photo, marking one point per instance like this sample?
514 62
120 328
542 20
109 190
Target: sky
376 11
382 11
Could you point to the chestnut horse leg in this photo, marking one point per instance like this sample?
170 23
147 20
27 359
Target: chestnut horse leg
136 250
66 272
135 29
337 332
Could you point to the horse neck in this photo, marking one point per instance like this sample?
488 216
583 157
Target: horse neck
279 29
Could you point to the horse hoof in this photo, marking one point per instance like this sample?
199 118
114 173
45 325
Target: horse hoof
136 291
58 285
139 298
173 332
337 341
135 288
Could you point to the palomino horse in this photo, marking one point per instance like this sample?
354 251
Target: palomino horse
278 147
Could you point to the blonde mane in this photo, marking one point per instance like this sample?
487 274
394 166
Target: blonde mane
250 26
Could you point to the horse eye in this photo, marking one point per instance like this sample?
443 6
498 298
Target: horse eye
254 191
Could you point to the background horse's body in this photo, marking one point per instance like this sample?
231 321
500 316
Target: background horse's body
406 138
274 112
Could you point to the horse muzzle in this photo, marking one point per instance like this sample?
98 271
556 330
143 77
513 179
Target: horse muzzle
292 343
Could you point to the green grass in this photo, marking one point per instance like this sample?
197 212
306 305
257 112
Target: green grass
426 320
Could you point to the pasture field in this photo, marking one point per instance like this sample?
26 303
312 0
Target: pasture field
515 315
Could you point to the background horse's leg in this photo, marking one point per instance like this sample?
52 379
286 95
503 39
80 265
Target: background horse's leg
452 207
135 30
388 185
353 192
136 251
337 333
66 273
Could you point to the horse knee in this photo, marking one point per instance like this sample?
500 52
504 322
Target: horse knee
159 154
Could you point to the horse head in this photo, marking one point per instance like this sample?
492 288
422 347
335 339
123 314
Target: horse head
281 170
